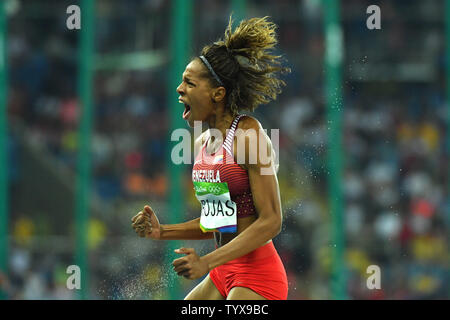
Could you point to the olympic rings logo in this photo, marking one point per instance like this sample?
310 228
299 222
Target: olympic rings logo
214 189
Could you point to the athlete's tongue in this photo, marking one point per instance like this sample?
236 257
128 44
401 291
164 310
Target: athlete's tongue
187 111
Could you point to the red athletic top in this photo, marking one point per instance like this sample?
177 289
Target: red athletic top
221 167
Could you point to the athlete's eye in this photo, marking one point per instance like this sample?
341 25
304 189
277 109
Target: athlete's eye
188 82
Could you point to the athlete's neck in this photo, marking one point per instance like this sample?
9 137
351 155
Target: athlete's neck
221 121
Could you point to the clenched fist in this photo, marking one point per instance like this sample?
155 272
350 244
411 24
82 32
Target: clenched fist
146 224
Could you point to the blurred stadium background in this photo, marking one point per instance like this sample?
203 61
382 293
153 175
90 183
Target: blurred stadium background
364 145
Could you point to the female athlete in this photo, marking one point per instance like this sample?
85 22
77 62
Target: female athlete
236 186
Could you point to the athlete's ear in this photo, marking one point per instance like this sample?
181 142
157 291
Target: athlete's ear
218 94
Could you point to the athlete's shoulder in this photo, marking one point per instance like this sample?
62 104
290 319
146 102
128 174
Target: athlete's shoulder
262 142
249 122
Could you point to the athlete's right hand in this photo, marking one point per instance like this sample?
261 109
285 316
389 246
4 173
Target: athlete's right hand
146 224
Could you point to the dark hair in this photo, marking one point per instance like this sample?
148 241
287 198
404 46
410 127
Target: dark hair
242 61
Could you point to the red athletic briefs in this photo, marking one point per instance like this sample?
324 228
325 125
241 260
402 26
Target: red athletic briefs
260 270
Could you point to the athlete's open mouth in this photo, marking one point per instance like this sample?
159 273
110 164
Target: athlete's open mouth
187 111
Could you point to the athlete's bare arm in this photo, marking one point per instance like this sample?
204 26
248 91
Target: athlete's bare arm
146 223
189 230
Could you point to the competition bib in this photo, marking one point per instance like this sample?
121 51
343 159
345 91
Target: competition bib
219 212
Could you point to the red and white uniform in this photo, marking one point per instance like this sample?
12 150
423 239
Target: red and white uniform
262 269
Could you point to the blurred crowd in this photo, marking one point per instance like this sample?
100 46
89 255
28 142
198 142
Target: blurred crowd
394 118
